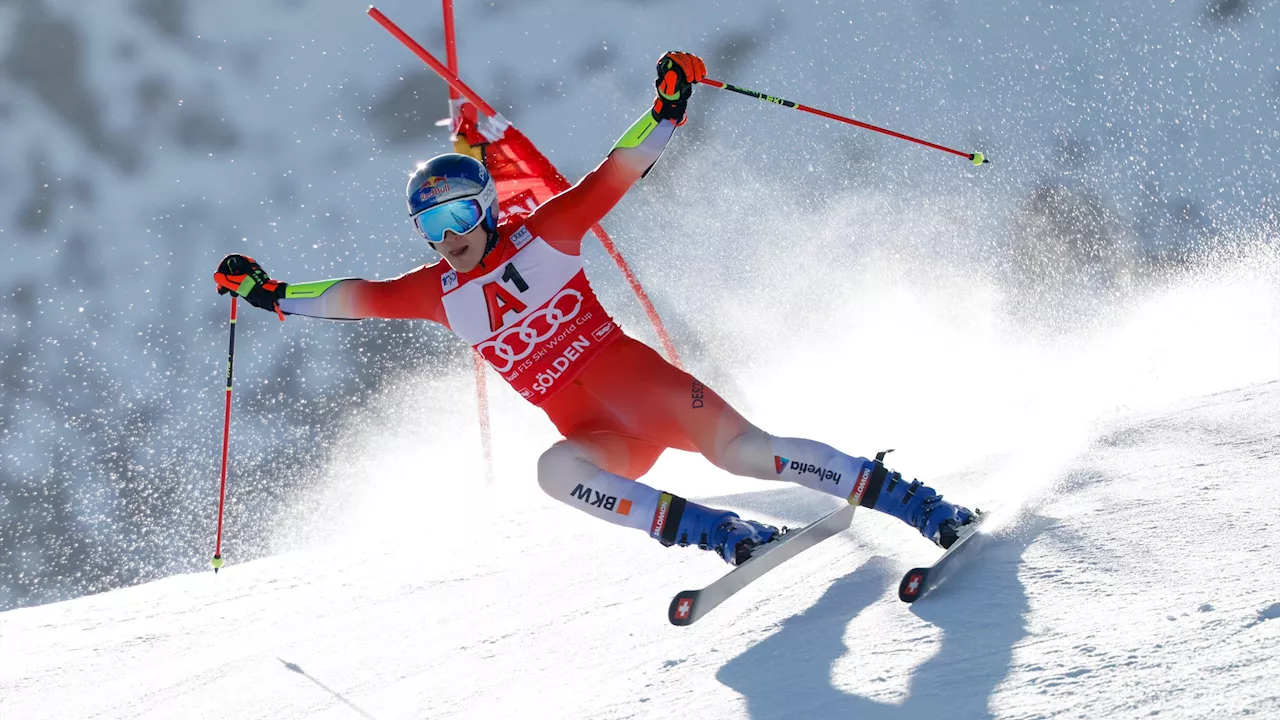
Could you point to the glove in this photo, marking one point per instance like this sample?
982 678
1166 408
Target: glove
677 72
243 276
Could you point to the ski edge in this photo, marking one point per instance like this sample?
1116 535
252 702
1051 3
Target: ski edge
927 578
701 602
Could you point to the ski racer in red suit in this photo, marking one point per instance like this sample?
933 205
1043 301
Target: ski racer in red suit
518 293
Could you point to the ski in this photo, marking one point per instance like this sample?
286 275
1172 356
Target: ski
921 580
690 605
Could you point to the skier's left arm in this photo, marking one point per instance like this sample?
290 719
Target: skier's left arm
564 219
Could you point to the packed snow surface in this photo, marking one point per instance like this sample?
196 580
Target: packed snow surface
1120 417
141 141
1141 582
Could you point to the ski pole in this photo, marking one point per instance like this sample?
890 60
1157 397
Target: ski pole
976 158
454 82
226 437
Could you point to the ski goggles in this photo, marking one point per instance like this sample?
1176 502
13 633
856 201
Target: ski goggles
457 216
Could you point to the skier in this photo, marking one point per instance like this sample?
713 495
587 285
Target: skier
517 292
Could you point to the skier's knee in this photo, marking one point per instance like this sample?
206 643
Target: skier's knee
747 454
560 467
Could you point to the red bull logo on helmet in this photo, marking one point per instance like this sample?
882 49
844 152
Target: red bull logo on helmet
432 186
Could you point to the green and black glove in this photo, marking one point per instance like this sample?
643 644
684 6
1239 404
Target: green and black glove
243 276
677 72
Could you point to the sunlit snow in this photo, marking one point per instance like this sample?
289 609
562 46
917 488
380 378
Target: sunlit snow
1083 335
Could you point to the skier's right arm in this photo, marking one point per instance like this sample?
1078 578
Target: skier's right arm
408 296
564 219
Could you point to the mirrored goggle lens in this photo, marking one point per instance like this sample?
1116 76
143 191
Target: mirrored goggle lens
459 216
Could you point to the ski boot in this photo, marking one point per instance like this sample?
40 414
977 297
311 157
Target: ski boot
682 522
916 504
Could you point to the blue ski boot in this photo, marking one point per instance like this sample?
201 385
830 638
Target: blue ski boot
915 504
681 522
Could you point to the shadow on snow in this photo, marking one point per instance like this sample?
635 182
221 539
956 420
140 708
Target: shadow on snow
980 614
294 667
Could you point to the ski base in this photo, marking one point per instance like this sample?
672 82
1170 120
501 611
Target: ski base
919 581
690 605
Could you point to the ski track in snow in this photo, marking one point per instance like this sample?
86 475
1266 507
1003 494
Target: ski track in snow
1139 589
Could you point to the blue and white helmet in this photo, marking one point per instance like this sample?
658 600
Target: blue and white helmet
453 193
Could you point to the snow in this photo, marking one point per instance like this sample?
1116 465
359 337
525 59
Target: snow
1124 417
1139 586
141 141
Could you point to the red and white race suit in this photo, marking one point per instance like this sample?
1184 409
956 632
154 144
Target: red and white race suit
530 311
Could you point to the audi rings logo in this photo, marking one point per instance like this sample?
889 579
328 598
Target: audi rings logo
518 341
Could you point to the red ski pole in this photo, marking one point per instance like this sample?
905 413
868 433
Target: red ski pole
226 437
477 361
454 82
976 158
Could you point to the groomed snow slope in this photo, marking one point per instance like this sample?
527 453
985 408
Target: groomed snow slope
170 133
1135 451
1143 586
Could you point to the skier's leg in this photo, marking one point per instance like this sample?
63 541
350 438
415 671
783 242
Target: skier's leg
755 453
676 409
572 471
822 467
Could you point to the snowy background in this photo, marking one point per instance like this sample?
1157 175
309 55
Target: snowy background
1095 317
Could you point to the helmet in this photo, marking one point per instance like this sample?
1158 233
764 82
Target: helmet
453 192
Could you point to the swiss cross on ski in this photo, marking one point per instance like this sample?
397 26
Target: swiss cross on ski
683 608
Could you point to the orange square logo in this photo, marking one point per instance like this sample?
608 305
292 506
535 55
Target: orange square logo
624 507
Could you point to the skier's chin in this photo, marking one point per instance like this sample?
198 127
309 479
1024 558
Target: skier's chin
465 261
462 258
